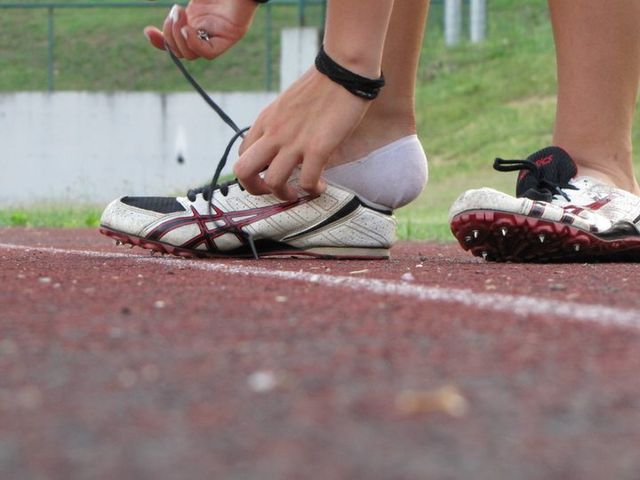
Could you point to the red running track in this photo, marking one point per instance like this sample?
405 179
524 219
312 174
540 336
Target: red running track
116 364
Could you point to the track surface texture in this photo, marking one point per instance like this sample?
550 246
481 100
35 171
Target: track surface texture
434 364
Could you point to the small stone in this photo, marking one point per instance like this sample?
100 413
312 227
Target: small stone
159 304
357 272
407 277
262 381
557 287
281 299
44 280
447 399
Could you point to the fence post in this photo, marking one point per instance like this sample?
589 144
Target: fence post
269 46
478 20
301 19
51 51
299 47
452 21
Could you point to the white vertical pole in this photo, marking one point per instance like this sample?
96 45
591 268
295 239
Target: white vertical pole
478 20
299 47
452 21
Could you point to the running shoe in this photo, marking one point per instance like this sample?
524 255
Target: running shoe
226 221
223 220
555 215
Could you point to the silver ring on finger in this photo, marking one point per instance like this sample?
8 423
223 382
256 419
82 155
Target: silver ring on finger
202 35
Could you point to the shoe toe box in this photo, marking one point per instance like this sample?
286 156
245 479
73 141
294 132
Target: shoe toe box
126 218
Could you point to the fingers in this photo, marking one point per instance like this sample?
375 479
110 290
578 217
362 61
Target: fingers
178 23
310 179
253 161
278 174
167 31
254 133
155 37
184 40
281 165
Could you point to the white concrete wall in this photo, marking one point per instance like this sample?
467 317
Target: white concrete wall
299 49
93 147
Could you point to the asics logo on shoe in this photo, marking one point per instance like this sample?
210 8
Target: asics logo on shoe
232 223
597 205
541 162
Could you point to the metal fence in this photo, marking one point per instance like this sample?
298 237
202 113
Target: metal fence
50 8
448 20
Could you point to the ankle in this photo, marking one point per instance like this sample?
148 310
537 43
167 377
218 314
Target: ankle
371 135
624 182
602 161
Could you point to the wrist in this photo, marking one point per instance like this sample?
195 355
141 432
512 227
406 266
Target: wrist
363 62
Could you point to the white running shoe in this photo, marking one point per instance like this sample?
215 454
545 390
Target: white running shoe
226 221
555 215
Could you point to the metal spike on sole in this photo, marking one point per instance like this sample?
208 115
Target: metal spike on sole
485 255
467 239
118 243
504 231
476 233
541 237
576 247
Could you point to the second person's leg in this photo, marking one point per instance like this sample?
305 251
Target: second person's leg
598 56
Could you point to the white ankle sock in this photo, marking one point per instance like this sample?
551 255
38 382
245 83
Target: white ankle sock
390 176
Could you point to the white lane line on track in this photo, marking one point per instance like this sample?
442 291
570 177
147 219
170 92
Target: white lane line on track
520 305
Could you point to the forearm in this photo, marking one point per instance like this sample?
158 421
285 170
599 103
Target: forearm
355 33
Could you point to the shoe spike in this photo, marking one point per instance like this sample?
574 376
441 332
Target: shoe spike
476 233
468 239
541 237
130 245
504 231
118 243
484 255
576 247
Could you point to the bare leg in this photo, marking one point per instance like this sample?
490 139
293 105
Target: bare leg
598 57
392 114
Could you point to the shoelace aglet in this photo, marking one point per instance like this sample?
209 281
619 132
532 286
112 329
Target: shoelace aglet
253 246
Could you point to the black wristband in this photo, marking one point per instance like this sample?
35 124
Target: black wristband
363 87
261 1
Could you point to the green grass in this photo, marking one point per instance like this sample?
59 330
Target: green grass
474 102
51 216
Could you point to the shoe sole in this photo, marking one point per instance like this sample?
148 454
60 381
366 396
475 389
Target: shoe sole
510 237
344 253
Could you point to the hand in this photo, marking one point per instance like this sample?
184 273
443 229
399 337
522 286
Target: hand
225 21
304 125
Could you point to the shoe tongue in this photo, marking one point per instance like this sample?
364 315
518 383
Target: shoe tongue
554 165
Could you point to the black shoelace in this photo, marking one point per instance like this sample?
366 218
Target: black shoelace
544 188
208 191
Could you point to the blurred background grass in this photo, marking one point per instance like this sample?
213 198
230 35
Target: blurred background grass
474 102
